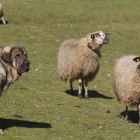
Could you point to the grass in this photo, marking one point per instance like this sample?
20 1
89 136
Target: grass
46 109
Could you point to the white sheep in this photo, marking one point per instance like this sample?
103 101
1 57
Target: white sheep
1 13
127 82
79 59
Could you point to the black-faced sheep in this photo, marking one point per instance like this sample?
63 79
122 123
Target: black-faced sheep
127 81
79 59
1 14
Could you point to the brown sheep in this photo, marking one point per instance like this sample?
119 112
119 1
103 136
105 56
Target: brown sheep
127 82
79 59
1 14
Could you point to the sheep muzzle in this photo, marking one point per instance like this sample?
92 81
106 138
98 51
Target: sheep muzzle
106 40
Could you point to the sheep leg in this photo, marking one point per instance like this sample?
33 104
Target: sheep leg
3 20
127 115
79 92
86 90
71 88
139 113
83 90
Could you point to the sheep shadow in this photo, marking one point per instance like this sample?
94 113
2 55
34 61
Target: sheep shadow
91 93
6 123
1 22
133 116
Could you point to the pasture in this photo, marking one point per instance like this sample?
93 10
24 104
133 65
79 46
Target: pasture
39 105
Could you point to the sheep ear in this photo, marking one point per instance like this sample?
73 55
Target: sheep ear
136 59
92 36
107 34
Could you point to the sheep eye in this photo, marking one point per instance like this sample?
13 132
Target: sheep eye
17 55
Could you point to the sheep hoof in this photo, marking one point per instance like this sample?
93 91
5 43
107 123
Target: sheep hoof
80 96
86 97
126 119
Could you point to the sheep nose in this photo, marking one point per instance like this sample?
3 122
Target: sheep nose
27 63
106 40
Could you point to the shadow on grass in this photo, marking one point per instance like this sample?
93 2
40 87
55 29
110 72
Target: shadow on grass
133 116
91 93
1 22
6 123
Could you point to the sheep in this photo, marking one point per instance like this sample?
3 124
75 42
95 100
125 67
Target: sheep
1 13
127 82
79 59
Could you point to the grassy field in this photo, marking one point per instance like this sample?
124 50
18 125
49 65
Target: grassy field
43 102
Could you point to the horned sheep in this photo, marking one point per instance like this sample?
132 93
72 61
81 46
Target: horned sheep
127 82
79 59
1 13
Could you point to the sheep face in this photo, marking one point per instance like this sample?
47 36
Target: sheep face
137 59
101 38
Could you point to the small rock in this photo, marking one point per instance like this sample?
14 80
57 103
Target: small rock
119 116
22 88
95 86
18 116
59 104
78 106
108 111
57 40
100 127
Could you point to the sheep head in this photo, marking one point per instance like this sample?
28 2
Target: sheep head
97 39
137 59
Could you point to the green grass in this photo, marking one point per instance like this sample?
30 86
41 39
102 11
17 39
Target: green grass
40 97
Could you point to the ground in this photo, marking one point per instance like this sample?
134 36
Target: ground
39 104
